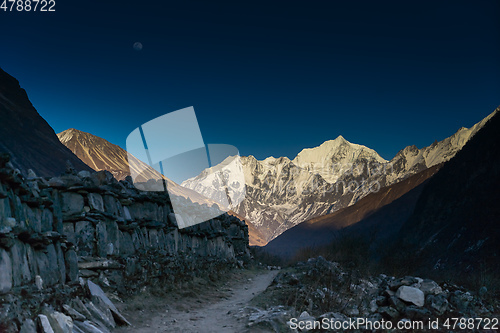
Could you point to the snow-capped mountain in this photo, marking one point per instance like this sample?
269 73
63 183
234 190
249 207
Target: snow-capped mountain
281 193
223 183
332 158
411 160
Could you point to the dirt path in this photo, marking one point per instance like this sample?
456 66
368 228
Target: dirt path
209 309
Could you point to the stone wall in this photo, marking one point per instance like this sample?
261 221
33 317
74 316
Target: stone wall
55 231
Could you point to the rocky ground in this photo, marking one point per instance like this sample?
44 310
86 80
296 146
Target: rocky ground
269 299
317 289
198 306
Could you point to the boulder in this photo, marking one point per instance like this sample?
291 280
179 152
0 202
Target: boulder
21 273
126 214
101 316
96 291
9 222
411 295
69 232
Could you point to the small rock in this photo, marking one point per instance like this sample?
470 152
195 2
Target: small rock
56 182
389 312
352 311
28 327
415 313
45 324
461 300
5 272
430 287
381 300
396 303
73 313
306 320
39 282
373 305
83 174
9 222
61 323
438 303
88 327
31 174
483 291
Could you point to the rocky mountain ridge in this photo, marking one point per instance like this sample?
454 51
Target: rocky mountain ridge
96 152
447 224
281 193
323 230
414 160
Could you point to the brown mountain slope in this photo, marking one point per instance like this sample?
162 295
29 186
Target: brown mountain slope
321 230
27 137
101 154
96 152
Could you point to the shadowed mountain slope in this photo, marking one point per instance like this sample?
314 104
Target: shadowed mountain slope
456 221
447 227
27 137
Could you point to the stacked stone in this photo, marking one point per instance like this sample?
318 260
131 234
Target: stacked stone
55 231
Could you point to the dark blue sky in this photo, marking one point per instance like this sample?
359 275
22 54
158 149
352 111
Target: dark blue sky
268 77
